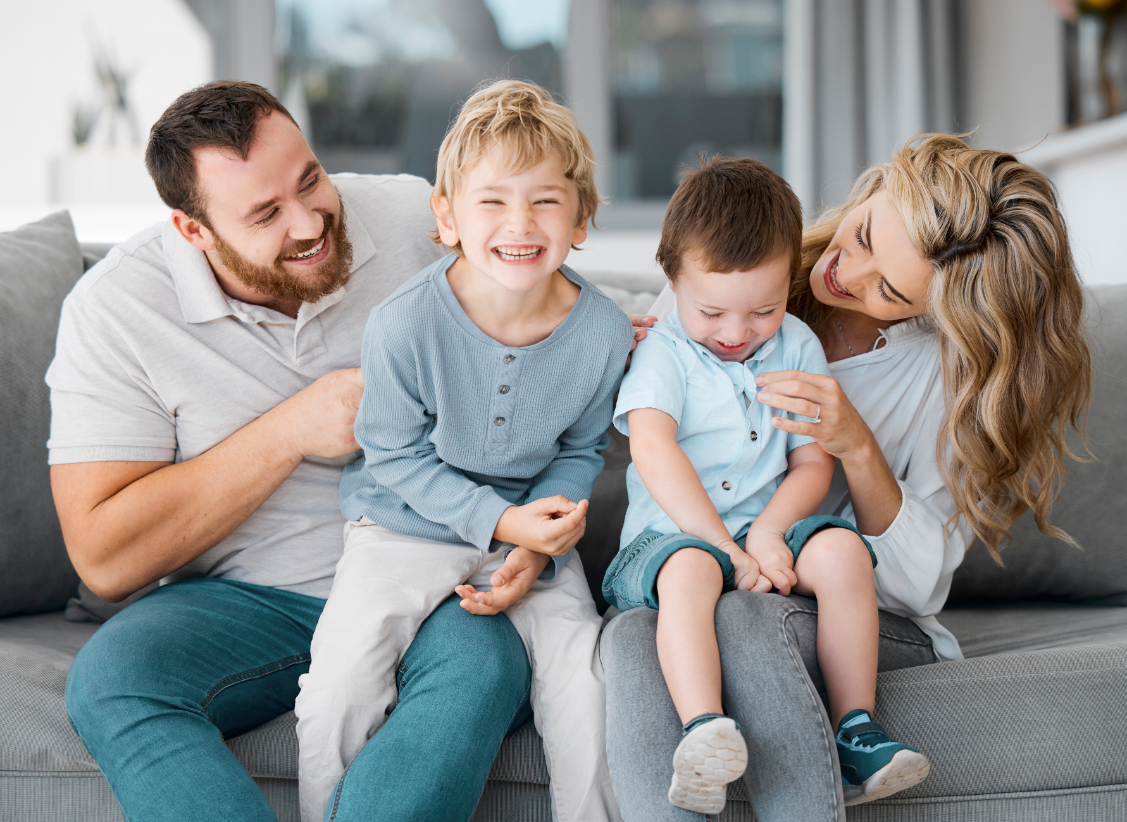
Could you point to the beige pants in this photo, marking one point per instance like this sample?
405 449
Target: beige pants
386 585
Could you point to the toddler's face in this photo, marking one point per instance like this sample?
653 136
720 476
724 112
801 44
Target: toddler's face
514 228
732 314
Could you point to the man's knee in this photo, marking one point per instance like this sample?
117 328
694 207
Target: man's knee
484 654
102 671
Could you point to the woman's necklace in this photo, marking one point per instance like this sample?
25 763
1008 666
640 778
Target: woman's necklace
844 338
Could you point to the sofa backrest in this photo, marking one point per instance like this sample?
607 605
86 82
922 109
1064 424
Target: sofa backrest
1091 500
39 264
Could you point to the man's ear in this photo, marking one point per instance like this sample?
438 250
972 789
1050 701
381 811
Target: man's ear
444 215
193 231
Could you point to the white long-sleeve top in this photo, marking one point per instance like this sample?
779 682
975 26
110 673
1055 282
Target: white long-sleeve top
898 390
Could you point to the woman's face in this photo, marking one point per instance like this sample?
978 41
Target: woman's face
871 266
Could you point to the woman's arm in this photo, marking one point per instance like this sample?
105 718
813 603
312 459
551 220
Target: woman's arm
670 478
842 433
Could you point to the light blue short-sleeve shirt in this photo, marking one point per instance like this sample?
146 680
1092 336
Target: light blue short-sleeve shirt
740 457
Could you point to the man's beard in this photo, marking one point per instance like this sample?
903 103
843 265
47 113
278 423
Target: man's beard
307 287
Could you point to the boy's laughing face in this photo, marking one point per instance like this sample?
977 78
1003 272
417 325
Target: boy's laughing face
515 228
732 314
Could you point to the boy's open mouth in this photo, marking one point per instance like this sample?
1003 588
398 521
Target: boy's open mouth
513 253
730 349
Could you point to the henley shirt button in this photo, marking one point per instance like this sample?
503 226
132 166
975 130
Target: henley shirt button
498 420
509 358
504 389
754 436
727 486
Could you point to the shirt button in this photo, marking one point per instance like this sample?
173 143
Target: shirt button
509 358
498 420
754 436
504 389
727 486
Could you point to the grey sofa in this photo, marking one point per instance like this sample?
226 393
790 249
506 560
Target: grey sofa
1032 725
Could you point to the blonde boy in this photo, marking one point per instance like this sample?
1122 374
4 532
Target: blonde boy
490 379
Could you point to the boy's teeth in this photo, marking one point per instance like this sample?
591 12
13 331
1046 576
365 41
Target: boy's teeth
313 252
518 255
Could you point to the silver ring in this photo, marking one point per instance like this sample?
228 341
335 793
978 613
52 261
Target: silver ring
818 416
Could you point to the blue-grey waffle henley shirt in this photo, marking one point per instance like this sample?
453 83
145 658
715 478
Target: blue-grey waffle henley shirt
456 427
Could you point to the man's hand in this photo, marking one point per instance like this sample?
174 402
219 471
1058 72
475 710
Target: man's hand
319 420
547 526
776 562
510 582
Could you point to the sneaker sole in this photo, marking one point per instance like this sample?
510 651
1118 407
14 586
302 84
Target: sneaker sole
710 757
906 769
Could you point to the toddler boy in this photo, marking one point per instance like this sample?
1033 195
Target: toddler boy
720 499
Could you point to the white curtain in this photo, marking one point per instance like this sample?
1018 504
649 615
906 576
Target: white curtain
862 77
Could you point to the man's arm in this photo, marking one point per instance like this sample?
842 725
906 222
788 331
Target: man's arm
127 524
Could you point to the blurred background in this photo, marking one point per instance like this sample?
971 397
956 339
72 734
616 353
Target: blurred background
818 89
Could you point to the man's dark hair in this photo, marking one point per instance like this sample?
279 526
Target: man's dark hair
223 114
731 215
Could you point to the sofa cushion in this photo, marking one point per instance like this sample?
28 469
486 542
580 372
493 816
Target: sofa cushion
1037 567
39 263
1007 629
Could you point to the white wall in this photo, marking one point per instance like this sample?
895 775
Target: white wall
47 65
1088 165
1013 72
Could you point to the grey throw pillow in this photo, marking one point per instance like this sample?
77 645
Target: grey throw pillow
39 264
1090 504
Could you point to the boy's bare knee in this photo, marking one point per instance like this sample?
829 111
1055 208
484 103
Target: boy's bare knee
834 555
689 568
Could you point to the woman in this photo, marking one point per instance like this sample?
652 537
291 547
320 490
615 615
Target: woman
945 296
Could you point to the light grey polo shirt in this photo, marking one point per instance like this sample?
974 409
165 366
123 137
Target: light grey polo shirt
154 362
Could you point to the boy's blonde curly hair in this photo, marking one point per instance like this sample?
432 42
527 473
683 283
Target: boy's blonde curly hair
529 125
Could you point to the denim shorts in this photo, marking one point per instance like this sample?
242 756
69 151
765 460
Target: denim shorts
631 579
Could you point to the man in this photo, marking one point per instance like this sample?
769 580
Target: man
203 397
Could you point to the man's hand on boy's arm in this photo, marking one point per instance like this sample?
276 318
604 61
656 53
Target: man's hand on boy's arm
551 525
510 582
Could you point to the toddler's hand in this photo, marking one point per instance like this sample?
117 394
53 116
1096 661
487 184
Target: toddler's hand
747 575
510 582
548 526
776 562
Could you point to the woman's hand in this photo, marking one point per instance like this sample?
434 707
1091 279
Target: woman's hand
842 432
641 322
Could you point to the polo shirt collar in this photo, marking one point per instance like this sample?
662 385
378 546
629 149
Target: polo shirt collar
202 300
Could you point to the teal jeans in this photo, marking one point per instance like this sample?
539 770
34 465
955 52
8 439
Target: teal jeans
158 688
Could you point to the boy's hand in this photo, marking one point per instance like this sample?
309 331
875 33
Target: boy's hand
747 574
776 562
547 526
510 582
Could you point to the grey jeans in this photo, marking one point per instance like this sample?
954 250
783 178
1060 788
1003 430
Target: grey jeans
771 686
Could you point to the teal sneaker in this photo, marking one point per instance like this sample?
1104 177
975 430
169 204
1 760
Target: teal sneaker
874 766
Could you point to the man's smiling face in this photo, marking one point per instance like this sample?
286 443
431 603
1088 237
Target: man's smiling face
275 227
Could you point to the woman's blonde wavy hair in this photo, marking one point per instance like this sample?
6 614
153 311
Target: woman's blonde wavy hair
1007 307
